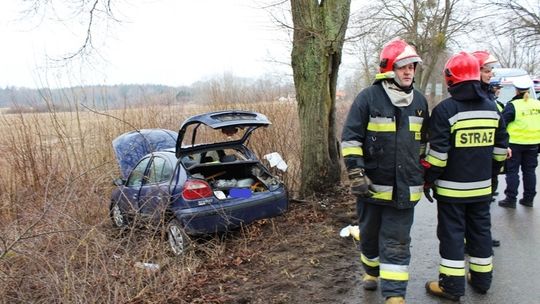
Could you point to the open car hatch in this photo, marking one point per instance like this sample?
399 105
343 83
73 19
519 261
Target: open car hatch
234 127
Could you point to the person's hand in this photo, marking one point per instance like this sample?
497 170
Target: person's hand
427 191
360 183
508 153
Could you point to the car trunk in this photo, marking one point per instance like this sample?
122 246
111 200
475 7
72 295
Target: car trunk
236 179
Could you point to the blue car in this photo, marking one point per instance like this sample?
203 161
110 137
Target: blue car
201 180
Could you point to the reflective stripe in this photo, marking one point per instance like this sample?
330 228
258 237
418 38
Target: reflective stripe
435 158
370 262
463 186
463 193
481 261
416 193
457 189
453 263
456 272
473 115
394 272
474 123
499 154
481 264
481 268
346 151
350 143
415 123
381 124
422 149
382 192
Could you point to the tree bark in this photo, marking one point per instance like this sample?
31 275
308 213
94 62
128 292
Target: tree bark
319 32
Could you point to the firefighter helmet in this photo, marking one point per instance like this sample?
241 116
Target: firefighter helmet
461 67
397 53
485 59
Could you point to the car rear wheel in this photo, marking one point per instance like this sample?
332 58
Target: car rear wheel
179 241
118 217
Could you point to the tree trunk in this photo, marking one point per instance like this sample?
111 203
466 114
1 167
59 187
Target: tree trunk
319 31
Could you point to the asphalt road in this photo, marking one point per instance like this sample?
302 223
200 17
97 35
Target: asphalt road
516 273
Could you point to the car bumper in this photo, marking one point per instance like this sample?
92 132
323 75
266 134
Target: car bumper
232 214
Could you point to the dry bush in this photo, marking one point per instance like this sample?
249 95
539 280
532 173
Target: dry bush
56 241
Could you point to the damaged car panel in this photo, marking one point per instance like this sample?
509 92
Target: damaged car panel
205 187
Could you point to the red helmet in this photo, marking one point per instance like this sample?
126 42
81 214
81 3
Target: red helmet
397 53
484 58
461 67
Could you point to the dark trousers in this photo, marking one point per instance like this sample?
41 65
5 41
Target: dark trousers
525 156
385 233
472 222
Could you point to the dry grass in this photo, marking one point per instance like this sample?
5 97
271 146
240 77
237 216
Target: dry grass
56 241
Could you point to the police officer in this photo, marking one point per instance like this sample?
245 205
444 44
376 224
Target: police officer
467 144
522 115
382 142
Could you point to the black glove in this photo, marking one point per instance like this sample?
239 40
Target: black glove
427 191
360 183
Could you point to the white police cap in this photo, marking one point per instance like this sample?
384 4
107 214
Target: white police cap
522 84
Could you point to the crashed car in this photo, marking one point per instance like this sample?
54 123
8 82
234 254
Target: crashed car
201 180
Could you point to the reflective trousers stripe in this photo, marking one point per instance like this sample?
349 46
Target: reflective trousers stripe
394 272
456 272
370 262
481 268
481 264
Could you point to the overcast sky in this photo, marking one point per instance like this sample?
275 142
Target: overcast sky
170 42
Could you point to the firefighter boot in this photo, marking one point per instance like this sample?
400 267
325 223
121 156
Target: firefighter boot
508 203
369 282
394 300
478 290
433 288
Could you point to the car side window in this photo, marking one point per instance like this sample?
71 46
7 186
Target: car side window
136 177
160 170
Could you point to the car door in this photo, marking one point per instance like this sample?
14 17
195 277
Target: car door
154 194
133 185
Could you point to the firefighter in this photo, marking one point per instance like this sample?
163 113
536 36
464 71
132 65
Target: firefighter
467 145
522 115
487 63
383 139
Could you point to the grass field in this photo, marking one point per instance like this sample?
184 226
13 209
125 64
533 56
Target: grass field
56 241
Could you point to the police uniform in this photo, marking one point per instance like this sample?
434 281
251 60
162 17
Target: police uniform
523 125
387 142
467 145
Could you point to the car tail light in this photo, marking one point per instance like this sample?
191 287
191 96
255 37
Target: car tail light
195 189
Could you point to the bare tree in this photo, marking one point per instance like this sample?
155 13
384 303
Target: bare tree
521 19
510 52
89 16
431 26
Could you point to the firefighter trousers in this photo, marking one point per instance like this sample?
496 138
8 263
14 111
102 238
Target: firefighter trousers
385 245
472 222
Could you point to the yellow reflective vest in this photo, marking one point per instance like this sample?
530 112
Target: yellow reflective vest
525 129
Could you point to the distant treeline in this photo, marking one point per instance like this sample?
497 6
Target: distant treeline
101 97
224 89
